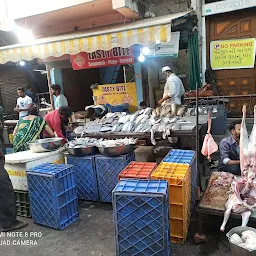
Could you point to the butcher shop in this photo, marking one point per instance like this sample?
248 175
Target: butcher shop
138 130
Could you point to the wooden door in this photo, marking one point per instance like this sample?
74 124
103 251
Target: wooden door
234 25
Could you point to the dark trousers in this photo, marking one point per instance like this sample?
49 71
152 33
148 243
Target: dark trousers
8 212
234 169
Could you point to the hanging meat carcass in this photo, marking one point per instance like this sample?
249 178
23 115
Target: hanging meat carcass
209 145
242 199
248 148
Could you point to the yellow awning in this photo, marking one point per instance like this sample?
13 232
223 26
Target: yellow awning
141 32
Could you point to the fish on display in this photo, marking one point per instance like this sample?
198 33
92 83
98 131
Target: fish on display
181 111
134 117
168 109
116 143
81 142
157 112
79 130
162 111
125 127
154 114
131 126
141 119
147 111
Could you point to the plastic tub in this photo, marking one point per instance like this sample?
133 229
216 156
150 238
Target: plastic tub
235 249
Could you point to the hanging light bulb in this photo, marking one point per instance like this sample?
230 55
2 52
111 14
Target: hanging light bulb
141 58
24 35
22 63
145 50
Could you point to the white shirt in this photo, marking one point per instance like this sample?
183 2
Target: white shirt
24 103
174 89
61 101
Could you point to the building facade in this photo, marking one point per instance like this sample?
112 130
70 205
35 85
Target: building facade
230 20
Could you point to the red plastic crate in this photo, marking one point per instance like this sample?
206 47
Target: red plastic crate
137 170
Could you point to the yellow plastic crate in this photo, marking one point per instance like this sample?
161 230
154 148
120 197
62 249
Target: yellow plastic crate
179 180
179 226
177 240
178 177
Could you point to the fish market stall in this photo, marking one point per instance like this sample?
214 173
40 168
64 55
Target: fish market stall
150 124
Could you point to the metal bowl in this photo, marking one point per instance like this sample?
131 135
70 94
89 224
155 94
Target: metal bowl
116 151
45 145
82 151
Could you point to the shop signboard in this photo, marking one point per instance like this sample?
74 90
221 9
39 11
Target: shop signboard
233 54
227 6
168 49
115 57
115 94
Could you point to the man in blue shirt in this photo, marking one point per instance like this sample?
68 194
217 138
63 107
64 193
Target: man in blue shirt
229 150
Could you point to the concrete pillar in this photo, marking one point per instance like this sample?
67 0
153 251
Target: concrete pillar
138 79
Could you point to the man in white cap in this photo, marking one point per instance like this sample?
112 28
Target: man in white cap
173 90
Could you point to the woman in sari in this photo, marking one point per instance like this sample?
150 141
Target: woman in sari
29 129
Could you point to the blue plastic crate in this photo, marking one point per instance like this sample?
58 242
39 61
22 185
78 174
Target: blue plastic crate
141 217
86 179
108 169
180 156
53 195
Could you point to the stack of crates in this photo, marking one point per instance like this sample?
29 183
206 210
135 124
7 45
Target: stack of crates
178 177
108 169
53 195
141 217
137 170
85 175
22 203
185 157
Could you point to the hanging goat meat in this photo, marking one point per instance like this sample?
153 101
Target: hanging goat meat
209 145
243 197
247 148
238 202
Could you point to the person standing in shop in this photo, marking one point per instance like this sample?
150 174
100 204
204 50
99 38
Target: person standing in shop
173 90
60 100
24 103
